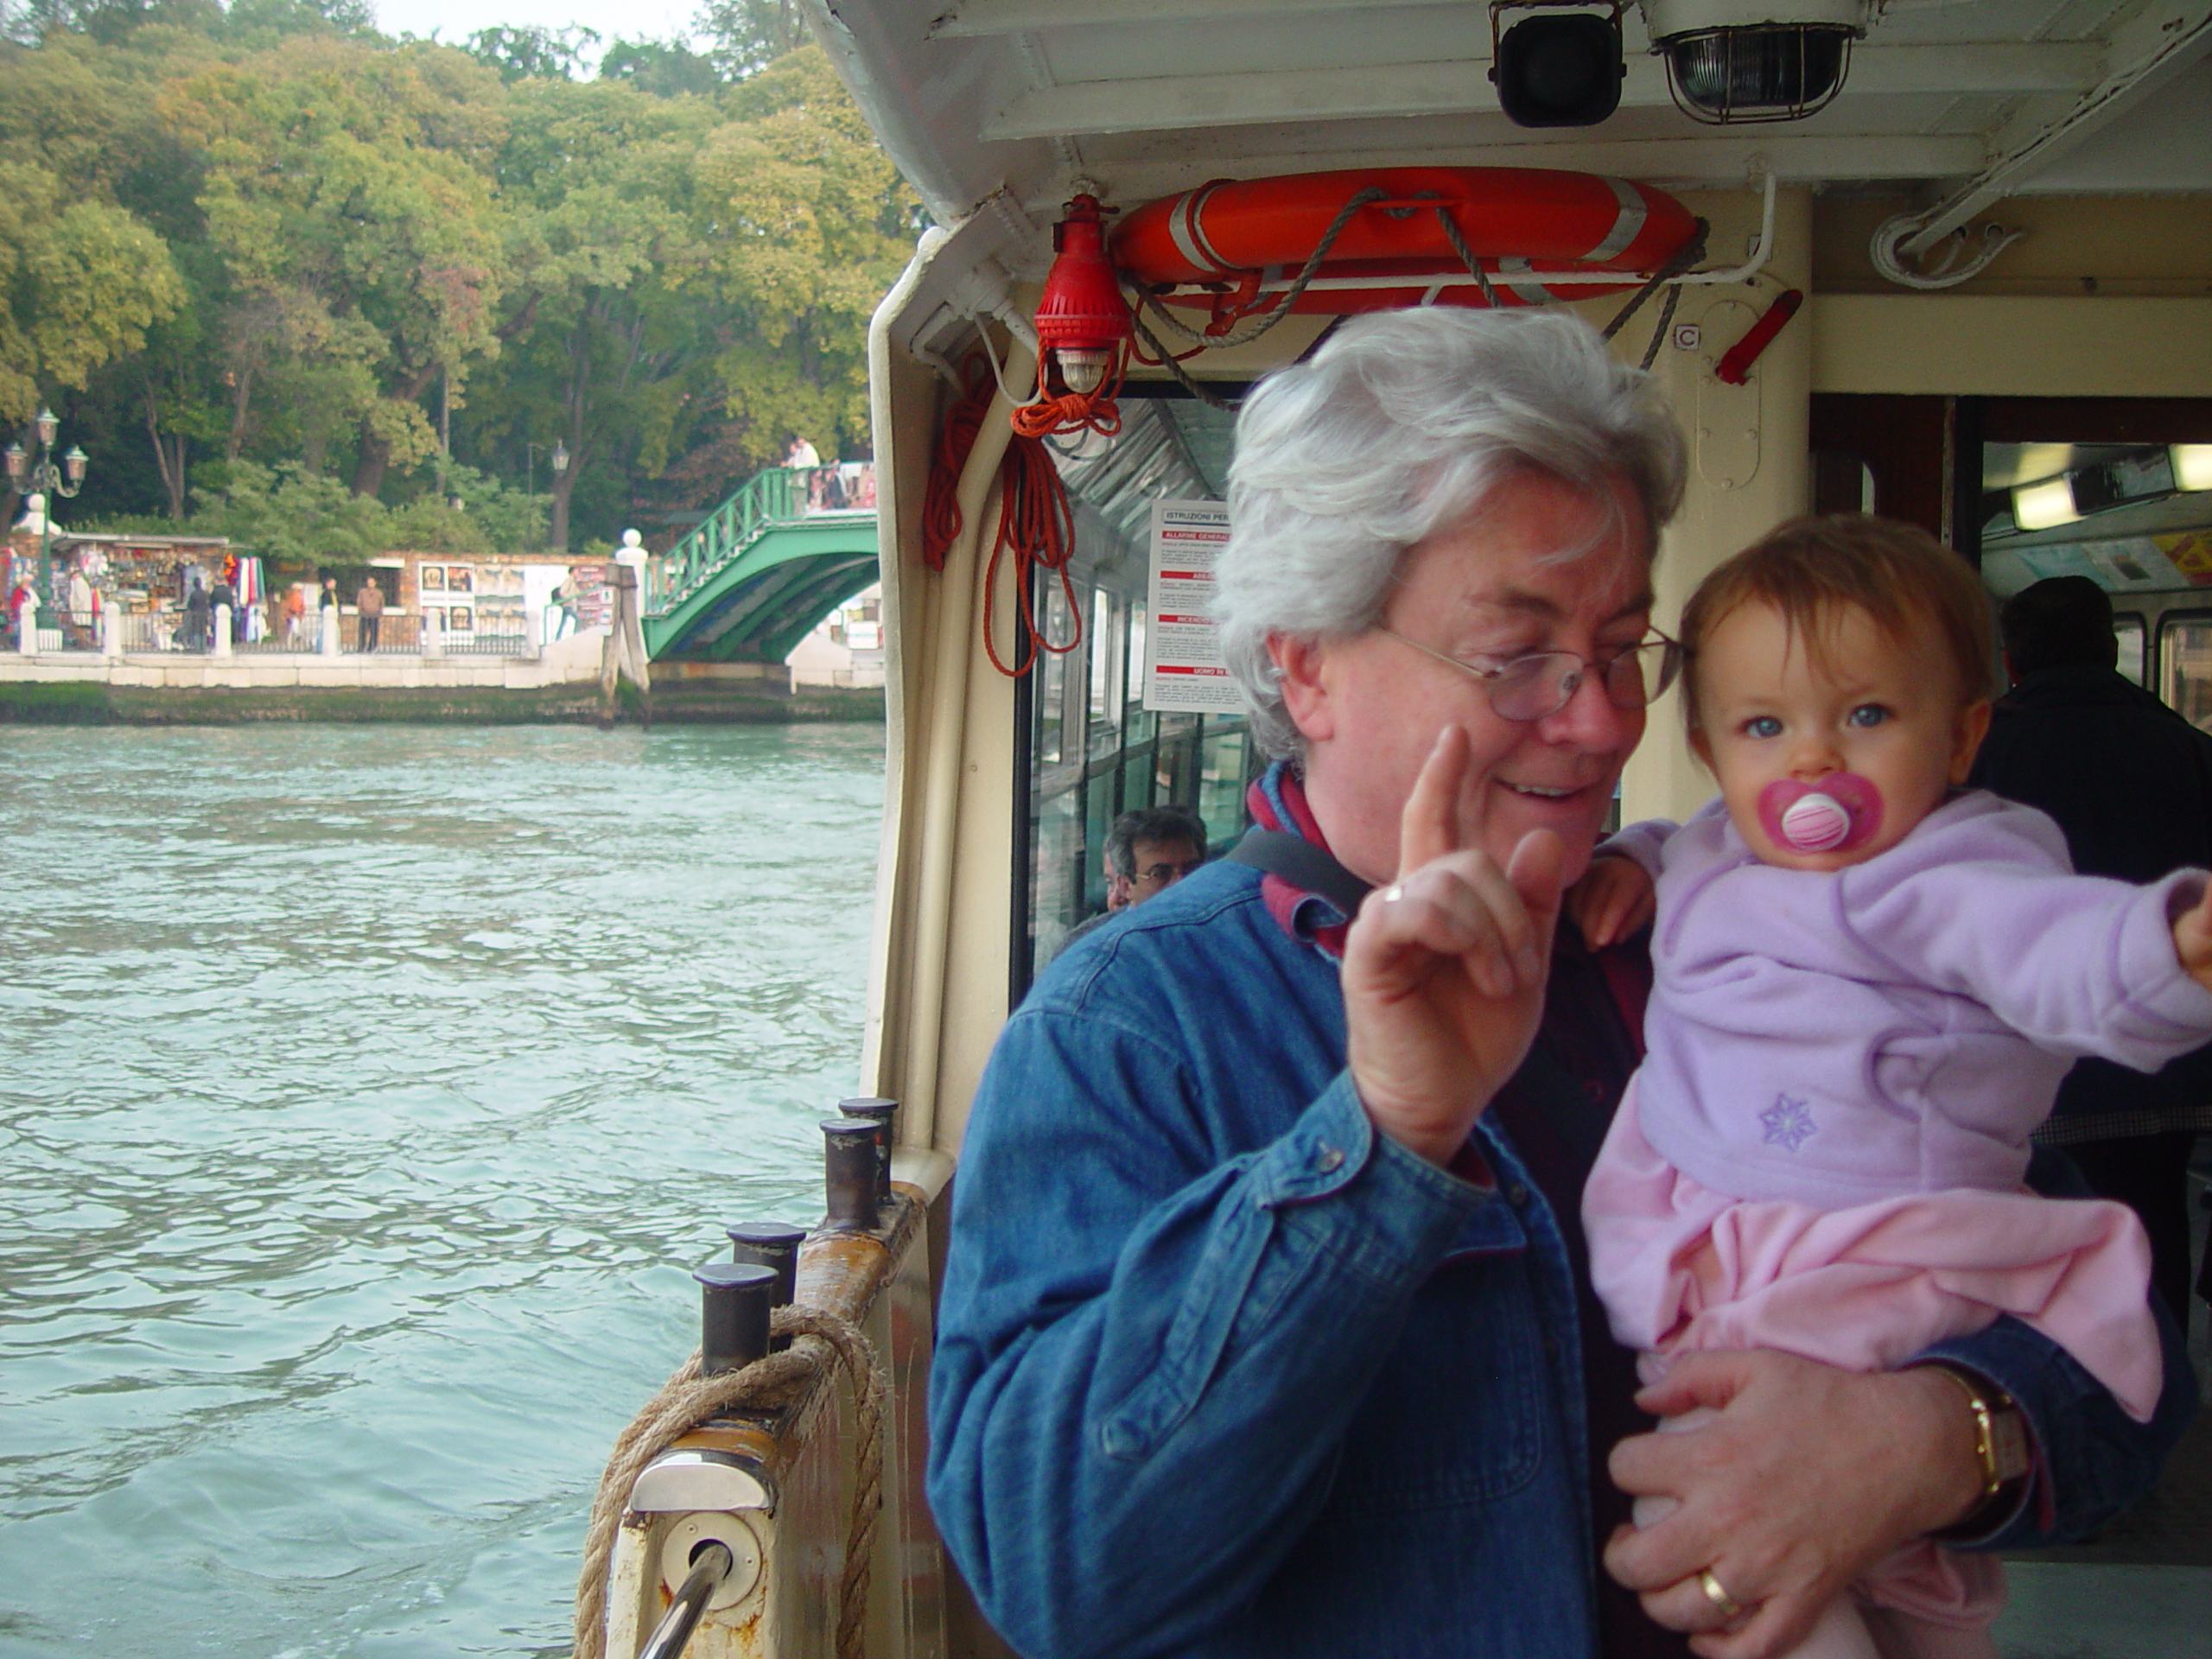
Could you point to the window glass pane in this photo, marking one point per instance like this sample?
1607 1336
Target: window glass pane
2130 632
2185 667
1058 887
1095 751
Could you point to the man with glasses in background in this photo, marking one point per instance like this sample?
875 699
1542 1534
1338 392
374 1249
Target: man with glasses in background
1147 851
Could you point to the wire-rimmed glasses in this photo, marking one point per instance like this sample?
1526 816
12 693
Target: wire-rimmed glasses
1539 683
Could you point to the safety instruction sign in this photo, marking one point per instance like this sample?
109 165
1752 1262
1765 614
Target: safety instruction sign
1182 653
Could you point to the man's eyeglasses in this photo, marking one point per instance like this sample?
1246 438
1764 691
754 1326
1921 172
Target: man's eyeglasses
1540 683
1160 876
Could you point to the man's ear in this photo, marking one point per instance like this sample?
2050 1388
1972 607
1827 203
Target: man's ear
1301 662
1966 739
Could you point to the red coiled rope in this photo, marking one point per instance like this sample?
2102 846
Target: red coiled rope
1036 522
1074 412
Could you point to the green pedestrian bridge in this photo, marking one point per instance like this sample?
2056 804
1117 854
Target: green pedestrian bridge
758 574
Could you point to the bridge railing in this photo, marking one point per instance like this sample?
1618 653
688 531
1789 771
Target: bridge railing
767 499
780 495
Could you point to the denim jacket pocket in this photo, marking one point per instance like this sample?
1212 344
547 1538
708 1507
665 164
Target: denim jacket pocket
1212 1302
1459 1413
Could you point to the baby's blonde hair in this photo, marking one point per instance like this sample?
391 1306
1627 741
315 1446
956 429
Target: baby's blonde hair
1811 570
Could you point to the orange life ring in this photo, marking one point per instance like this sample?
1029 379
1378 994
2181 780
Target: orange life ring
1232 244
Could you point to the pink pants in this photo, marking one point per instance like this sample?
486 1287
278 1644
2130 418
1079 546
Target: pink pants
1682 1269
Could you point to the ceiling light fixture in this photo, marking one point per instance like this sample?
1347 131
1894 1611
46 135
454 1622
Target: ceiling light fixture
1738 62
2045 504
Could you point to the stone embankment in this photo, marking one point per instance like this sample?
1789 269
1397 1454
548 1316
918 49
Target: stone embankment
561 682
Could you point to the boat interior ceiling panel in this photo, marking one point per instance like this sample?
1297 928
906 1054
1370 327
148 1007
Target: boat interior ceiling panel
1968 101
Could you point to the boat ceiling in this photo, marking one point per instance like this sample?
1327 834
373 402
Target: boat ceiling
1969 100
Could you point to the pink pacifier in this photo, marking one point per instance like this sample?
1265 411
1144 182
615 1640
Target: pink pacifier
1833 815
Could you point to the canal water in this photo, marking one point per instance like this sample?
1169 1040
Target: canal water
365 1096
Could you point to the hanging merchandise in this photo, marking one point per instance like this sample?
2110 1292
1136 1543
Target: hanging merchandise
1386 238
1082 333
1036 522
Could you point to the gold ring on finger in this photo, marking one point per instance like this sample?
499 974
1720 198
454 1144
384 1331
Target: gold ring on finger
1729 1606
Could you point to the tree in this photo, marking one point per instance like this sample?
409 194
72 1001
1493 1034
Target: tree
746 37
348 191
83 278
812 223
662 69
610 327
533 52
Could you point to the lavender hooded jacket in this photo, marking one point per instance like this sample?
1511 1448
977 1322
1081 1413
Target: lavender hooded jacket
1897 1026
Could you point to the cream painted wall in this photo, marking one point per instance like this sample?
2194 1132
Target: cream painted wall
1740 487
2007 345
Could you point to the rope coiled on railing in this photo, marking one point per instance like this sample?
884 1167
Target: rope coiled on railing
687 1400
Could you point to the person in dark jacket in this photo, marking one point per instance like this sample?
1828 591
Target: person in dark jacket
2130 784
196 613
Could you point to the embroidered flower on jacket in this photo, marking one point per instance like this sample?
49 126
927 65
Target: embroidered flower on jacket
1789 1122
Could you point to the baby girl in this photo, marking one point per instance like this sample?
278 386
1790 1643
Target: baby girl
1868 985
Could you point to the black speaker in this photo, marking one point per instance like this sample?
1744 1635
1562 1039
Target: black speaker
1561 71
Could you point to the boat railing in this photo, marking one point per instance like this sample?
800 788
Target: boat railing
785 1486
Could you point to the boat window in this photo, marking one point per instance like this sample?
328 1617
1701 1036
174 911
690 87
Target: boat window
2127 510
2129 627
1094 751
2185 665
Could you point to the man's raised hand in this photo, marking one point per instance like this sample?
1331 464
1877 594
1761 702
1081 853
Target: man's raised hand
1445 969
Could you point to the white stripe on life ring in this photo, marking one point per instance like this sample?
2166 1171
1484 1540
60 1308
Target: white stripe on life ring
1180 228
1626 223
1198 234
1529 289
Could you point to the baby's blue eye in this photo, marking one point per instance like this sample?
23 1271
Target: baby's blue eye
1763 726
1869 713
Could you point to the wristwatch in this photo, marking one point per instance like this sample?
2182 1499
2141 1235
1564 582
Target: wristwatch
2000 1429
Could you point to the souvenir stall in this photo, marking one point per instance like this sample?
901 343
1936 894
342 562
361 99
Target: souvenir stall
150 577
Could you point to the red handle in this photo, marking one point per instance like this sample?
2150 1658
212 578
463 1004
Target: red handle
1736 364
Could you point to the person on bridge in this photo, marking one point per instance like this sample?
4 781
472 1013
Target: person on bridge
2130 782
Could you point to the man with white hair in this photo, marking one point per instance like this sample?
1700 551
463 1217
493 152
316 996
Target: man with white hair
1266 1328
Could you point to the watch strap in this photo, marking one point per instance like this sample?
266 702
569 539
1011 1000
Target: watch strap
2000 1430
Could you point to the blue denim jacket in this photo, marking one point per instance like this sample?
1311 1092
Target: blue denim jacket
1221 1371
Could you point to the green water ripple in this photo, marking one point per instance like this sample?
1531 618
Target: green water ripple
365 1098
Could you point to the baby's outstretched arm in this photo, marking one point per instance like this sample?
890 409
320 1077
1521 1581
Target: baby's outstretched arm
2192 938
1615 896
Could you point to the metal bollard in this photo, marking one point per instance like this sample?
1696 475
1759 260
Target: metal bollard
849 1163
733 1314
772 1245
883 1114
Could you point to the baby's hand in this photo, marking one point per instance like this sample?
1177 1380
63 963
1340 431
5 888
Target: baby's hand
2192 938
1615 897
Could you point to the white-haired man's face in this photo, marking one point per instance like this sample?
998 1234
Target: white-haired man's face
1492 588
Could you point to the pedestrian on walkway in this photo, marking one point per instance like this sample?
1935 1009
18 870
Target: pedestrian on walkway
368 603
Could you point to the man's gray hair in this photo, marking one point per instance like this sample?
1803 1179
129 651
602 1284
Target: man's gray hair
1399 426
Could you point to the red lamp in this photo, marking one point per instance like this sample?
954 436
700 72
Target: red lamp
1081 320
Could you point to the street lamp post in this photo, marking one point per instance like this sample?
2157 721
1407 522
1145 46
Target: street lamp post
42 478
557 456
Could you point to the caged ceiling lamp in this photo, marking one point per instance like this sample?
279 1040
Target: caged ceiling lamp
1732 62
